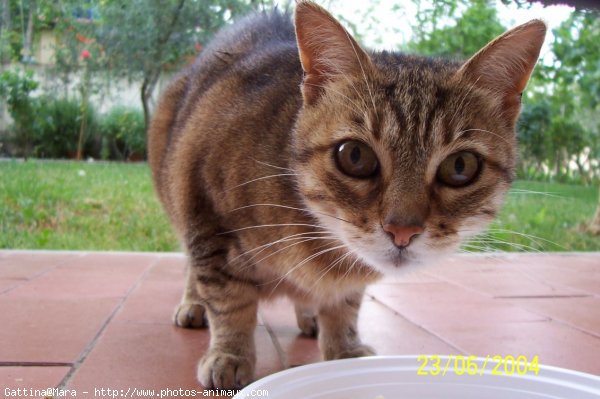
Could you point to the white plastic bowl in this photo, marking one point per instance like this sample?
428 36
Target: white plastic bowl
395 377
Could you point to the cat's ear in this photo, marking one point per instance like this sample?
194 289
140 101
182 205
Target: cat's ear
327 51
504 66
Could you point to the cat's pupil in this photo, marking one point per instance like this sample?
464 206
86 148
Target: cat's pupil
355 155
459 165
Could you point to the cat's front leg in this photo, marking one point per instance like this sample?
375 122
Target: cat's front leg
231 306
231 357
338 332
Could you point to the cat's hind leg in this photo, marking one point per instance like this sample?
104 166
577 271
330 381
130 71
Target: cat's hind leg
338 332
190 312
306 317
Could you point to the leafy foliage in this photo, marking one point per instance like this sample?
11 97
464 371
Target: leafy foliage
16 87
59 123
471 30
124 133
563 101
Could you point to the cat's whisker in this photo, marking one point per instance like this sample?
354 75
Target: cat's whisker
459 109
458 134
494 240
272 166
328 269
258 179
302 263
303 240
356 108
356 90
364 74
522 191
272 225
347 273
284 239
532 238
476 248
293 208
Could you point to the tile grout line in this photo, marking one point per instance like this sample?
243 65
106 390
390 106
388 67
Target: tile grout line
92 344
561 285
419 326
558 320
34 277
35 364
280 352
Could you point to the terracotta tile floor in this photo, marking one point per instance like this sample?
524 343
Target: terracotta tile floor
89 321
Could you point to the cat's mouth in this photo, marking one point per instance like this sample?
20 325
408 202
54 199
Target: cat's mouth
388 260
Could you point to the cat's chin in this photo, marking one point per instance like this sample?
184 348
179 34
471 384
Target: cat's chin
393 262
390 263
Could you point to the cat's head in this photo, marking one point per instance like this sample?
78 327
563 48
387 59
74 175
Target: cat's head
404 157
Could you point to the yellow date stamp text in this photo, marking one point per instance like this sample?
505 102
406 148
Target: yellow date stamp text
473 365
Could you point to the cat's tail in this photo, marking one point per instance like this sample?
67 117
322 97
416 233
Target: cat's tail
162 130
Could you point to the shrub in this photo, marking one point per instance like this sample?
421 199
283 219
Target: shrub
16 88
123 131
58 126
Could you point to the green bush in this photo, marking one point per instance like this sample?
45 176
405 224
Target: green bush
16 88
44 126
123 133
58 127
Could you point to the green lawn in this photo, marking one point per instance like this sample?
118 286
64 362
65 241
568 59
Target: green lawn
546 217
84 206
112 206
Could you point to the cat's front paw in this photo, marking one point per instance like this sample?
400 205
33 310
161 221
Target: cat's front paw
357 351
190 315
223 370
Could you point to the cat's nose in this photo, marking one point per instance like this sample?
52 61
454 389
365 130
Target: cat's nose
402 235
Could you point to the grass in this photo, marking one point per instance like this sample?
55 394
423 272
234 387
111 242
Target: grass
546 217
112 206
81 206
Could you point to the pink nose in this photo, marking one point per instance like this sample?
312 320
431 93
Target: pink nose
402 234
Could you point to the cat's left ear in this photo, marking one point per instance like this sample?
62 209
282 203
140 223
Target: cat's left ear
504 66
327 51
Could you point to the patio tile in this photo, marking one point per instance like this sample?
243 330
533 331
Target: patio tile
23 265
7 285
142 334
578 273
158 293
579 312
554 343
54 308
444 303
152 302
49 330
497 276
93 276
296 348
31 378
392 334
142 356
388 333
159 357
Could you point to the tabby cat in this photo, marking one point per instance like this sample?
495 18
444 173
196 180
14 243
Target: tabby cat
292 161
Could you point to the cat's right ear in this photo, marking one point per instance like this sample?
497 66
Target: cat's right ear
504 66
327 50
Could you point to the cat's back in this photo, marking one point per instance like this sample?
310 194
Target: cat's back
241 94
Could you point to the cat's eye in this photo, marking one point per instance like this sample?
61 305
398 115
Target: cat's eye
459 169
356 159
